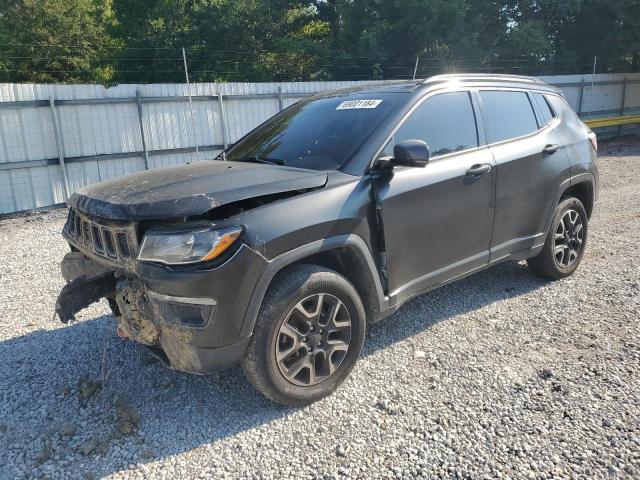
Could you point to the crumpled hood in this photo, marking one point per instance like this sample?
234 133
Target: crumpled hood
189 190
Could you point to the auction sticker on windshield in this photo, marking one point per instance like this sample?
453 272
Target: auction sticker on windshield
353 104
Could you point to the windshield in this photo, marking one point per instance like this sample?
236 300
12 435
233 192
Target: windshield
319 134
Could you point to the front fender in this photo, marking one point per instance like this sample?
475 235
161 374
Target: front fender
288 258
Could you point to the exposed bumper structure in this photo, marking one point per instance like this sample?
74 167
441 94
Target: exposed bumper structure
176 312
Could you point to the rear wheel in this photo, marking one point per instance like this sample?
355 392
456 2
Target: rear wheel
308 336
564 247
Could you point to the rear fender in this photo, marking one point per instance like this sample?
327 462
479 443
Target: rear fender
566 185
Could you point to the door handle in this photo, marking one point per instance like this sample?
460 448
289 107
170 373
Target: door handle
477 171
550 149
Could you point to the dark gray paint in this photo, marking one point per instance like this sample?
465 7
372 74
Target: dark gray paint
527 180
428 216
573 137
461 213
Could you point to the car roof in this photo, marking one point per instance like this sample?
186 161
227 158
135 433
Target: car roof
486 79
382 86
442 81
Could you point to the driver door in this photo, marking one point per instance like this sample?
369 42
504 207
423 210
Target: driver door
438 219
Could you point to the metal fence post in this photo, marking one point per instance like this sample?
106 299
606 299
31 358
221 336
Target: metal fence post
280 99
223 120
58 135
593 79
193 121
624 99
581 97
140 122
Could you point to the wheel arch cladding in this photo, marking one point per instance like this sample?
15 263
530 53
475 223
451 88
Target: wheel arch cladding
583 191
348 255
349 262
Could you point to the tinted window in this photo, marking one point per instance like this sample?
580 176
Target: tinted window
507 115
446 122
544 110
318 133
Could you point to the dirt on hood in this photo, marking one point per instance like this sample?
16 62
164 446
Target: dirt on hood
190 190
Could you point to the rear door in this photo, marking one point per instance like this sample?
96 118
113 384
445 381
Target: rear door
530 162
438 219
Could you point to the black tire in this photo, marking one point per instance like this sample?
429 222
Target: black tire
288 291
550 262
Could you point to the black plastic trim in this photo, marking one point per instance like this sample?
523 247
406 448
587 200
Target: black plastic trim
288 258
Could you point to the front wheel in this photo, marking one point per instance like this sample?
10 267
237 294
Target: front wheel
564 247
308 336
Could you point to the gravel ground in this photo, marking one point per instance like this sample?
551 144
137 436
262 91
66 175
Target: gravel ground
499 375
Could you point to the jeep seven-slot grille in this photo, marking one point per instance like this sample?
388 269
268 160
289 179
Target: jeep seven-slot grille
116 243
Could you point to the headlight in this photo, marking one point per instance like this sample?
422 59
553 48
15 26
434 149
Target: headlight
182 247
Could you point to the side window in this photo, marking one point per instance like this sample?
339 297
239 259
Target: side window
507 115
543 109
445 121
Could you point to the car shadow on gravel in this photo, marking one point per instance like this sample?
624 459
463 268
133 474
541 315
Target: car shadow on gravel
499 283
46 407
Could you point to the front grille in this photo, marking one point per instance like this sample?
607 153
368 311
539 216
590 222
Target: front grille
108 238
115 242
86 234
123 245
96 237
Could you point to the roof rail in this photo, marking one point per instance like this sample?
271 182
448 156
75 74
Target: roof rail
488 77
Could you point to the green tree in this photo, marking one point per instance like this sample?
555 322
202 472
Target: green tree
627 56
265 40
153 33
257 40
58 40
224 40
565 35
382 38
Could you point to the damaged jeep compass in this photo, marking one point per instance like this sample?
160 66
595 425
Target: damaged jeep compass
328 217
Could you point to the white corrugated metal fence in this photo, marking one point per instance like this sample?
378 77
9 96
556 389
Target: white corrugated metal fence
99 131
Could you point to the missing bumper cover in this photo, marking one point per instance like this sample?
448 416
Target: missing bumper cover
82 292
88 282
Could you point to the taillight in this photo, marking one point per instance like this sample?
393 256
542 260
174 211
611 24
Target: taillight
594 140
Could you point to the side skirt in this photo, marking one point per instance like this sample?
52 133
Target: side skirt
515 256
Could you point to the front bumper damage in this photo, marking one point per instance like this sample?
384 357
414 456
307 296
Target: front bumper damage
175 313
82 292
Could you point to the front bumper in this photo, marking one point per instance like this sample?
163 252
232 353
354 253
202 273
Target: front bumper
189 317
201 361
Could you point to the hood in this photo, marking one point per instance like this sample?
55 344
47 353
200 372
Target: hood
189 190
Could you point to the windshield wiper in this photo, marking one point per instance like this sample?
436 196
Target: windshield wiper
270 161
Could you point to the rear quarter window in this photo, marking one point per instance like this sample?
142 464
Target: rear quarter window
570 120
507 115
544 110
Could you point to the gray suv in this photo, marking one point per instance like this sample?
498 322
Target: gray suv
329 216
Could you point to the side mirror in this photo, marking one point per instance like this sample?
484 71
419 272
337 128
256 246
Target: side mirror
411 153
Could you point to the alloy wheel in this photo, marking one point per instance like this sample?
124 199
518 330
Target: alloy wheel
313 340
568 239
